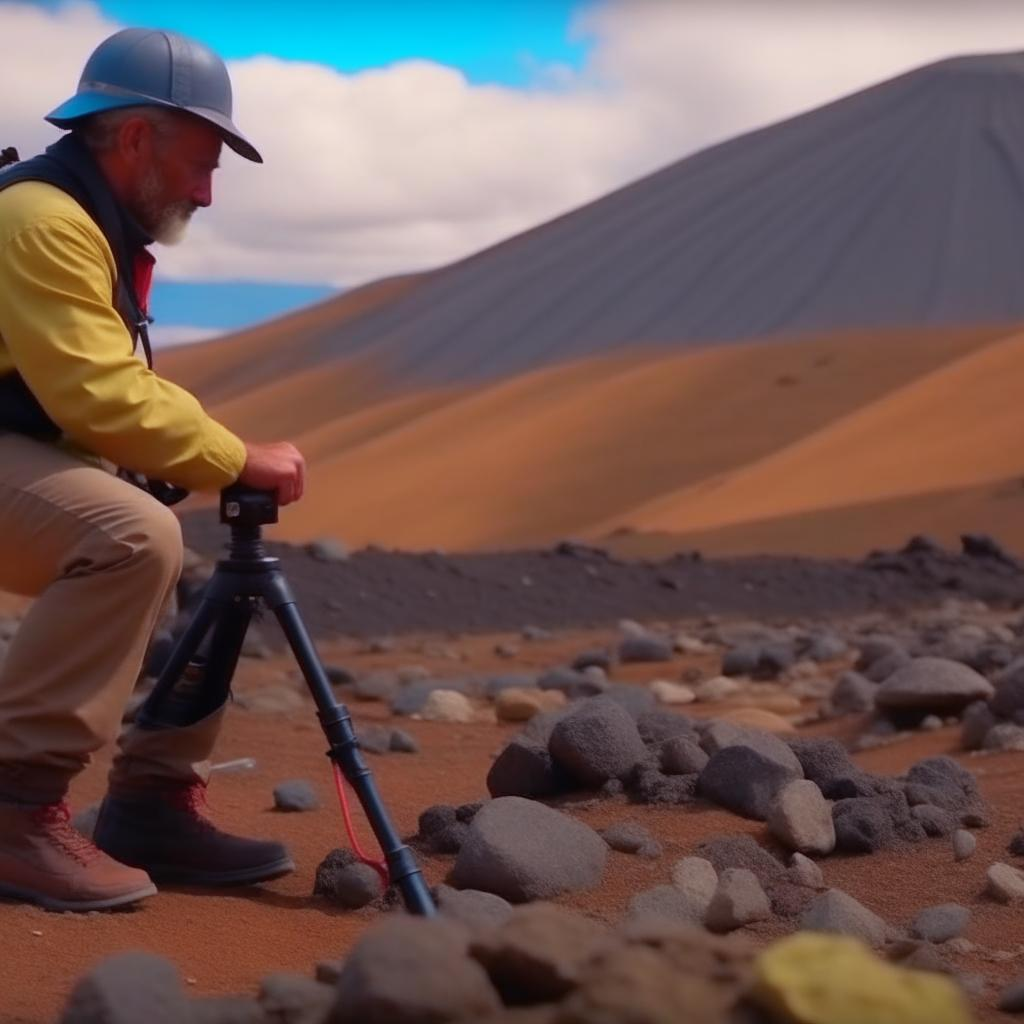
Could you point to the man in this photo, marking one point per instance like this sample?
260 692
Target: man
100 554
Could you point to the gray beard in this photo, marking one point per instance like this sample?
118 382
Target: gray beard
168 224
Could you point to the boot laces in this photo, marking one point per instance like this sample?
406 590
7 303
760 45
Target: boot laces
55 819
192 800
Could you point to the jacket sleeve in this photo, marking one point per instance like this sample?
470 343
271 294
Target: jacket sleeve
75 354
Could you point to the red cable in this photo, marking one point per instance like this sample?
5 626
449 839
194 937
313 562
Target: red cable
378 865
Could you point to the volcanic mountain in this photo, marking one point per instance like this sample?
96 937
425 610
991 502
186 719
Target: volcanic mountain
572 378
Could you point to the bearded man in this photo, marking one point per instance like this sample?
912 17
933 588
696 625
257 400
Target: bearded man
88 435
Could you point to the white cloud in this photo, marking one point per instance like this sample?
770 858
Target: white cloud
411 166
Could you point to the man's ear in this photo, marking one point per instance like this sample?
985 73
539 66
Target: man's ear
135 140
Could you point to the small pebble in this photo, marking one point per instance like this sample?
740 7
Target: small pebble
964 844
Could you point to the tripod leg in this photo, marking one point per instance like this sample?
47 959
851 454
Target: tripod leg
344 749
176 701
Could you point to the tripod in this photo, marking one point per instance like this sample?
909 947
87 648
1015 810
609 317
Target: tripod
247 576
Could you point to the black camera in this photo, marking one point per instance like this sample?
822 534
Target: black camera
245 506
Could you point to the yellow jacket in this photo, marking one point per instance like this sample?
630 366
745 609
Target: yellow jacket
60 330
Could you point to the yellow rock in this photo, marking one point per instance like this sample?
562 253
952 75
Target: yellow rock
756 718
813 978
519 704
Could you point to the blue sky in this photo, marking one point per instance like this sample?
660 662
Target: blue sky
498 41
504 42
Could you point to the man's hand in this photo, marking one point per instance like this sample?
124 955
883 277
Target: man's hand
276 467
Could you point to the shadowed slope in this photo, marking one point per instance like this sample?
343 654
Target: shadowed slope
897 206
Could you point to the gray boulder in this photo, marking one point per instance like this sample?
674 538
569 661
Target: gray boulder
944 783
409 970
523 850
655 727
696 879
477 911
852 694
682 755
964 844
539 953
977 720
932 684
525 768
573 684
881 669
942 923
719 735
127 988
645 647
863 825
739 900
596 742
835 911
345 881
294 998
296 795
935 821
744 781
801 818
1008 698
668 903
628 837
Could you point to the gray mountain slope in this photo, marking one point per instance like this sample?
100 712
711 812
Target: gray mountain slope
901 205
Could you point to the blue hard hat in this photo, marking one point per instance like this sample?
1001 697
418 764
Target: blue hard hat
153 67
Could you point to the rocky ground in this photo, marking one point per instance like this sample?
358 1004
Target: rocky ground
632 787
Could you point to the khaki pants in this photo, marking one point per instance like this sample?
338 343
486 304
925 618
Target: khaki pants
102 558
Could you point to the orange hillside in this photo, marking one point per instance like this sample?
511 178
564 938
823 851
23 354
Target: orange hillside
553 452
957 427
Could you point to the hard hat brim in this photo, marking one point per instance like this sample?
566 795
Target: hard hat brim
87 103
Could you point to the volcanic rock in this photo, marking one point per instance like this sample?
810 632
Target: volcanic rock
296 795
646 647
682 755
801 819
696 879
1005 883
835 911
527 769
743 780
964 844
628 837
447 706
655 727
597 741
539 952
932 684
523 850
852 694
978 719
345 881
476 910
803 871
939 924
719 735
572 683
127 988
1004 736
738 900
439 982
520 705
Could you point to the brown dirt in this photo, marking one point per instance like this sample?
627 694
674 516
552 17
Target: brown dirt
224 943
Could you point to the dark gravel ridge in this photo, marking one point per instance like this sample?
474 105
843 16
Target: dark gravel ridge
574 585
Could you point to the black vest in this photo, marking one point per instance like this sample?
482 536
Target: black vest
70 166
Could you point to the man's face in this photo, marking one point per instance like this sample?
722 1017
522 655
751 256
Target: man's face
176 177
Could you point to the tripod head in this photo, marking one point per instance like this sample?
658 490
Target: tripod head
247 507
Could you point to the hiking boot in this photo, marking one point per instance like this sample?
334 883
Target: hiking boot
165 831
44 859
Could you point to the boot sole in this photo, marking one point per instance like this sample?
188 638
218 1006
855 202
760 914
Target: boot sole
12 892
216 879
